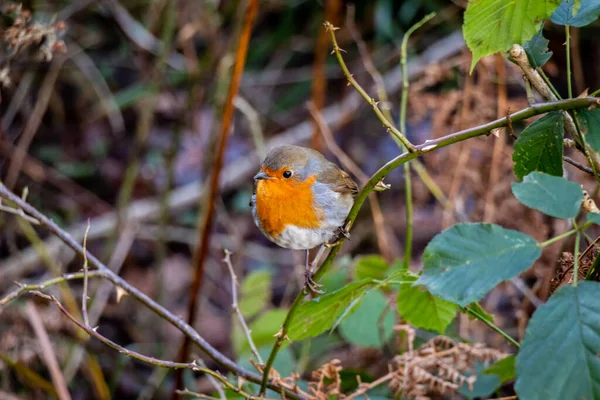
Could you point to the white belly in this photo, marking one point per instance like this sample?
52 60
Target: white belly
302 238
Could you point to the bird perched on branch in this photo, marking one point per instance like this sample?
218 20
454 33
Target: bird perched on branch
301 200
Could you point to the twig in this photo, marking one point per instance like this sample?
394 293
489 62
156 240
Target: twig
374 104
424 148
84 295
47 351
380 86
102 295
578 165
363 388
201 251
28 287
140 296
236 308
18 212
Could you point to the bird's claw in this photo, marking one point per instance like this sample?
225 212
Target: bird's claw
342 231
310 286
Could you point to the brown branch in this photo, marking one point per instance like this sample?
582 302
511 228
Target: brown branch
201 252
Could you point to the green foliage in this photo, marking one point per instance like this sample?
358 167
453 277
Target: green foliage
464 262
504 368
590 120
540 147
421 309
255 292
316 316
372 323
493 26
537 50
576 12
370 266
559 354
552 195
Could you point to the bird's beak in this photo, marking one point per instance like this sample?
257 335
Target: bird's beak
261 175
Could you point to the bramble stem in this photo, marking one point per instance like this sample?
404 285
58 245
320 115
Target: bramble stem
374 104
403 106
568 44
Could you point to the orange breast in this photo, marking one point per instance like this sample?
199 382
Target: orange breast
282 202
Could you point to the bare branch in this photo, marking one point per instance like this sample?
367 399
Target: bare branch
236 308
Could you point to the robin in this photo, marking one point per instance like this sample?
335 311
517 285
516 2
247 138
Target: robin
301 200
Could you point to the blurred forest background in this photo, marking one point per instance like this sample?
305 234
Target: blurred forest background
110 113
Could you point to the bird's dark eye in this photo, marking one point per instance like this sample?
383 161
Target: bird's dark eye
287 174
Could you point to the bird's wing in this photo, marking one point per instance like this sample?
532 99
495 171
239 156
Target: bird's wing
338 180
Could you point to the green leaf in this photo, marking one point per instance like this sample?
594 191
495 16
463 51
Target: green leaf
537 50
493 26
594 217
255 292
552 195
540 147
421 309
373 315
317 315
590 121
576 13
558 358
504 368
465 261
370 266
262 330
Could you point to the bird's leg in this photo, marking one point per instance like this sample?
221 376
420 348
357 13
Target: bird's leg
309 272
